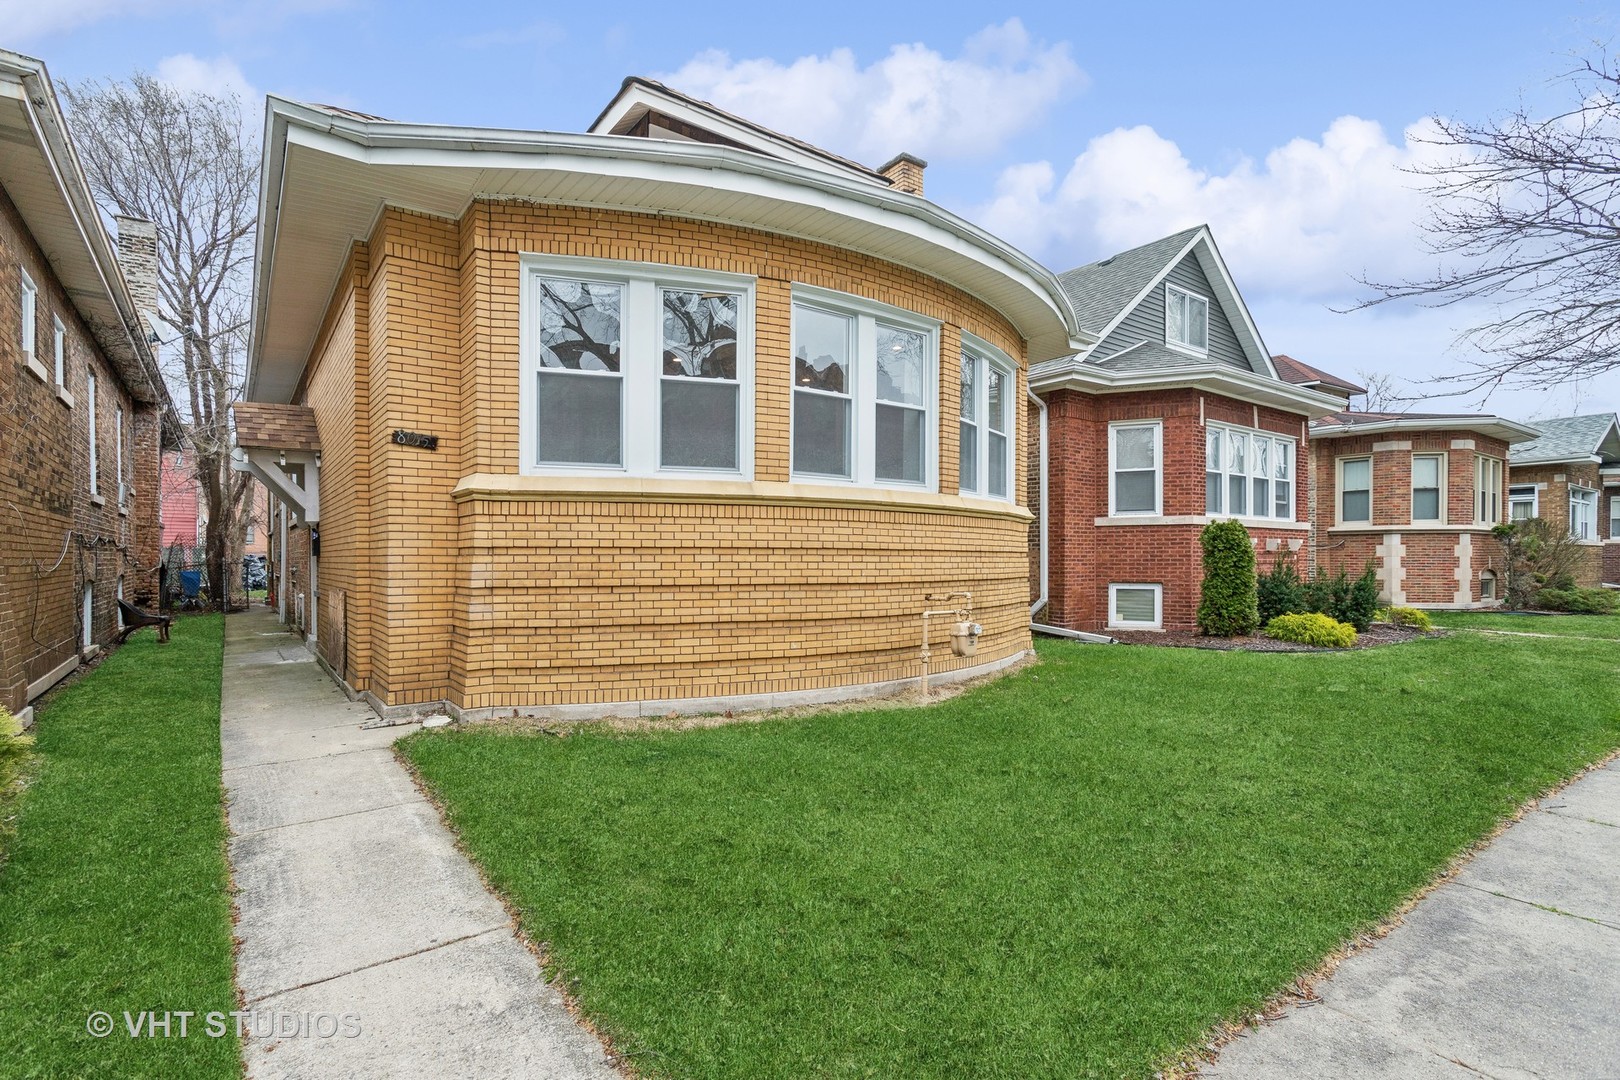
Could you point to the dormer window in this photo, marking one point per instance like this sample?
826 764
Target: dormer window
1186 320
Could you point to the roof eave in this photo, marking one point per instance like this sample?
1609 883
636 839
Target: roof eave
1494 426
1215 378
1062 337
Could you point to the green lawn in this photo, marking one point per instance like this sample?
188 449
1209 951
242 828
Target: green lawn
1073 871
1595 626
114 897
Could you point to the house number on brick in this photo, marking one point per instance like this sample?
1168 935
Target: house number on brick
416 438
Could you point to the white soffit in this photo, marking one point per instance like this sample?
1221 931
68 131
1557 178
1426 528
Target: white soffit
326 188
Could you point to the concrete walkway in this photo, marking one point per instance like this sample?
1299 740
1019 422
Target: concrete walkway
354 902
1512 969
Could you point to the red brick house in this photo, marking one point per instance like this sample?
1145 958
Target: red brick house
1173 416
1415 495
1570 476
83 410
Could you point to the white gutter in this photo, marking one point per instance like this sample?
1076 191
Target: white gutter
1045 596
1508 430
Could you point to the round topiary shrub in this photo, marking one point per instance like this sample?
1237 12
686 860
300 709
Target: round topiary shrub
1228 606
1323 631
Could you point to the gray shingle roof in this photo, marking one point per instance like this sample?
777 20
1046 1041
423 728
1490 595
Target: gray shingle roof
1570 438
1147 356
1101 290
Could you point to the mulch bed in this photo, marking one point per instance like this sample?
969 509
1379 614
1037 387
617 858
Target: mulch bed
1378 634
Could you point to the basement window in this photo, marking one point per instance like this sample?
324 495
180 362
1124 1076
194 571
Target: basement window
1135 607
635 369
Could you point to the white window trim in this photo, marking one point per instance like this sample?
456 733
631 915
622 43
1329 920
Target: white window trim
1158 606
1293 474
1181 346
863 395
1158 468
90 410
118 456
1575 489
640 366
1445 472
1483 464
1338 489
989 357
59 351
28 301
1535 499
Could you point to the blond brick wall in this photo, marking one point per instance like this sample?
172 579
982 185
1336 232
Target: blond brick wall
549 600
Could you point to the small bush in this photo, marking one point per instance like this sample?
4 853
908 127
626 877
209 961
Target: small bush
1280 590
1228 606
1579 601
1361 602
1312 628
1409 617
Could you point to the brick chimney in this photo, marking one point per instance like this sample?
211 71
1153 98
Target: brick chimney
905 173
137 255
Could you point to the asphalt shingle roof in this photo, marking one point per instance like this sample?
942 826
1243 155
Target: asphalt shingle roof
1568 438
263 425
1299 373
1101 290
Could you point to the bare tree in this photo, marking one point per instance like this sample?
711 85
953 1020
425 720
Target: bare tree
186 162
1382 393
1525 217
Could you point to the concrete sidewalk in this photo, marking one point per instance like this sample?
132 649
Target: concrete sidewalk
354 901
1512 969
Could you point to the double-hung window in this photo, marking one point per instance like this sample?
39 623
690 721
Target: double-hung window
1248 473
865 391
987 423
1523 502
28 300
1582 513
1488 491
1355 490
1186 320
1135 452
59 350
90 410
634 368
1428 473
1614 516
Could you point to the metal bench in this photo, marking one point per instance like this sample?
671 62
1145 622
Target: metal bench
134 618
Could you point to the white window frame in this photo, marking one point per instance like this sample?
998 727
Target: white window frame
1488 473
1170 290
1279 444
90 411
1534 498
1158 467
28 300
59 351
1578 497
640 363
863 386
987 357
1158 606
118 454
1339 490
1614 515
1442 470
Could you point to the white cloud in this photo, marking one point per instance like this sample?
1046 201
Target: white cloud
25 20
914 99
1306 220
219 77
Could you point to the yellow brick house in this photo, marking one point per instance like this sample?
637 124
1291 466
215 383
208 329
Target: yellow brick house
675 414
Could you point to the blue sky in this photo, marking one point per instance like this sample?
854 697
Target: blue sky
1074 130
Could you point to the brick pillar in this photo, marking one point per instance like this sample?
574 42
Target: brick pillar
137 256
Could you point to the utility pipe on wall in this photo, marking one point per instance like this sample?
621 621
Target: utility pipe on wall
1041 602
963 614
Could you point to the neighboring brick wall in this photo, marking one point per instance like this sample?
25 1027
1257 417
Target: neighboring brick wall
1433 565
1085 558
1553 483
44 490
545 600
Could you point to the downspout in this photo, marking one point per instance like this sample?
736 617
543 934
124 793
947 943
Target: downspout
1041 602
